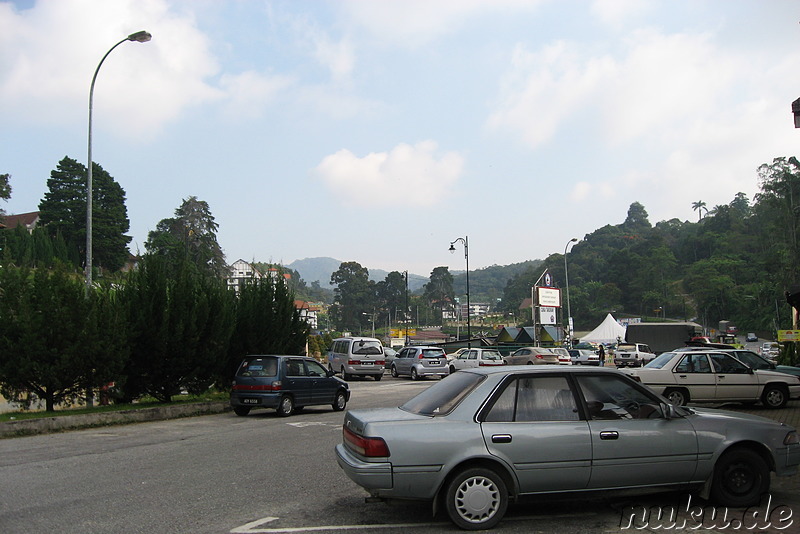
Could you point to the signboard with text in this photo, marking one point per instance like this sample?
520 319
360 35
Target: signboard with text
548 296
788 335
547 315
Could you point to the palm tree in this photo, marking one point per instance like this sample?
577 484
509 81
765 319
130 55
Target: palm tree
699 206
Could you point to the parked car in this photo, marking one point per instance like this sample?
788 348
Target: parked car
484 437
750 337
714 376
751 359
388 356
357 356
633 355
584 357
419 362
770 350
454 355
563 355
285 383
477 357
531 356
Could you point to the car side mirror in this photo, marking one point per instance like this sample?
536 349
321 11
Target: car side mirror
668 411
329 373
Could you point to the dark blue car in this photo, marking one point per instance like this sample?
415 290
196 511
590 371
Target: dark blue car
285 383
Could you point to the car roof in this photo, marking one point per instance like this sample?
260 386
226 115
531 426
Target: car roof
277 356
541 369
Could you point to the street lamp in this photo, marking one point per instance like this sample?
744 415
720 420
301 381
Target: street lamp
465 242
566 279
139 37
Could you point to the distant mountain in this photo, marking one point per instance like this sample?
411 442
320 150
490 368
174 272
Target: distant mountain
321 269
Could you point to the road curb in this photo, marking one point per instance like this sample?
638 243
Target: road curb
46 425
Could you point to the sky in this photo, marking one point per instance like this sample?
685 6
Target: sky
381 131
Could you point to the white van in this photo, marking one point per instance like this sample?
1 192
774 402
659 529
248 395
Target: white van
357 356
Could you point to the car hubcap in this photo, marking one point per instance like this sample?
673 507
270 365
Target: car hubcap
340 401
676 398
774 397
477 500
739 479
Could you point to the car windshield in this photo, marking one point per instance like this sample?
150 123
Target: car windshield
258 367
367 347
660 361
491 355
432 353
443 396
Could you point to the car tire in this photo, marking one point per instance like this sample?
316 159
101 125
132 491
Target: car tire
476 499
677 396
740 478
345 376
339 402
774 396
414 375
394 371
286 406
452 369
377 377
241 411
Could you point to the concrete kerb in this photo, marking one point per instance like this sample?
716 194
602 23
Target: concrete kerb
45 425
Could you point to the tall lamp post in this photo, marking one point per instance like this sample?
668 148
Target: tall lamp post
566 279
139 37
465 242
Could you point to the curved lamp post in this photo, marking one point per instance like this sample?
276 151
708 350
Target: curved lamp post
465 242
566 279
139 37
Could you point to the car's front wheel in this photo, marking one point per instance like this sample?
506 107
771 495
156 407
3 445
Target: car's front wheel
241 411
741 477
774 396
339 402
476 499
677 397
394 371
286 406
452 369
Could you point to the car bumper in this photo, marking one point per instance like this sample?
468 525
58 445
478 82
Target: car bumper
794 391
371 476
255 400
787 460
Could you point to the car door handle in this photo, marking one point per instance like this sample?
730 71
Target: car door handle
501 438
609 434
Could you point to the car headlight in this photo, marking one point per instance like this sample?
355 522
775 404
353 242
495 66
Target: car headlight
791 438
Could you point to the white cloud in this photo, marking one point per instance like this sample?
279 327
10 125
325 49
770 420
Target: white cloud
616 13
414 23
249 93
414 173
49 53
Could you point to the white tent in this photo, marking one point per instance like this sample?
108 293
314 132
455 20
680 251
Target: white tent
609 331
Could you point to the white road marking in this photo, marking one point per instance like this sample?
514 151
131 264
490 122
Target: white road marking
251 528
303 424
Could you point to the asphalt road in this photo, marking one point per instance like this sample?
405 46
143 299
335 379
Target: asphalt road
264 474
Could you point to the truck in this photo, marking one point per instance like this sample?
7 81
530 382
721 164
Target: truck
727 327
663 337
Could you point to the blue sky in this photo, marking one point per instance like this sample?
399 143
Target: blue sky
380 131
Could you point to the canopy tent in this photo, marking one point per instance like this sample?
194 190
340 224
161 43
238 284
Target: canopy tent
609 331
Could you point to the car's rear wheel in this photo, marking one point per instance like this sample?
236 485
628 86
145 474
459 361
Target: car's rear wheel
476 499
774 396
741 477
345 375
377 377
677 396
286 406
241 411
394 371
339 402
414 375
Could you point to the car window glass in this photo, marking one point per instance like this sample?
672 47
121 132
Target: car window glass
295 368
432 353
258 367
724 363
444 396
491 355
693 363
473 355
532 399
660 361
367 347
315 369
613 397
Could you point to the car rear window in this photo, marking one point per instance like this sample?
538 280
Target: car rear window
367 347
432 353
255 367
626 347
443 396
491 355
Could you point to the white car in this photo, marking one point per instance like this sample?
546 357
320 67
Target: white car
563 355
477 357
714 376
584 357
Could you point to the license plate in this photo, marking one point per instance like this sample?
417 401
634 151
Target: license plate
434 362
367 363
249 401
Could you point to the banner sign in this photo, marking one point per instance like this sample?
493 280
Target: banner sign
788 335
548 296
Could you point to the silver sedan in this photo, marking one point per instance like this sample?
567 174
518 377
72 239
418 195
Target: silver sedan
482 437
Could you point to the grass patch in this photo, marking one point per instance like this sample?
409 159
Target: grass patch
145 402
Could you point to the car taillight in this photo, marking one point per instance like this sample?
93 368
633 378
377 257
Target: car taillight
380 362
539 356
353 362
368 447
273 386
